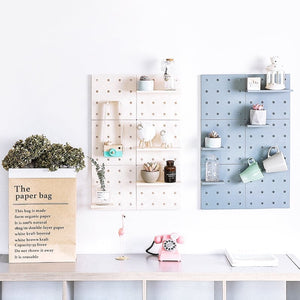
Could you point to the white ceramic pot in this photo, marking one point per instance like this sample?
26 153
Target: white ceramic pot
149 177
146 85
258 117
213 142
102 197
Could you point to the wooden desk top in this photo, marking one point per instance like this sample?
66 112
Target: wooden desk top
96 267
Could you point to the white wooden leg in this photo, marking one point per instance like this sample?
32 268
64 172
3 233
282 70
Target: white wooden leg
68 290
220 290
144 289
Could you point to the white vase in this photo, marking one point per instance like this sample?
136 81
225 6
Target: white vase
149 177
258 117
213 142
102 197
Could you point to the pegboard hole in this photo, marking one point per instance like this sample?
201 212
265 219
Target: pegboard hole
108 91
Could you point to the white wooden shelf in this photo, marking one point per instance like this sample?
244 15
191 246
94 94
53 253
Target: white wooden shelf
271 91
157 183
203 182
258 126
211 149
158 92
143 268
158 149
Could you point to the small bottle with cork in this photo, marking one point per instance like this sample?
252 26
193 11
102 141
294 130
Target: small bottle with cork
170 172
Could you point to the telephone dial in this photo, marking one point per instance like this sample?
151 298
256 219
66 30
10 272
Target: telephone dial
168 250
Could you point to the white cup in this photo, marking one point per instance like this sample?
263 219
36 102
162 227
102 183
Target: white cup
275 162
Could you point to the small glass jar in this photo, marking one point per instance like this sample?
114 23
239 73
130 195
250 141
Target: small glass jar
170 172
212 169
168 67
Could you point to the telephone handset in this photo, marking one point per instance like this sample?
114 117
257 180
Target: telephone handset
168 250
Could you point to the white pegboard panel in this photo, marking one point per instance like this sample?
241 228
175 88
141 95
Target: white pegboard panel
158 105
118 132
158 196
117 108
113 97
121 182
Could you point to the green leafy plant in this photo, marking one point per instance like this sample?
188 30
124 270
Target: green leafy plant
100 170
38 152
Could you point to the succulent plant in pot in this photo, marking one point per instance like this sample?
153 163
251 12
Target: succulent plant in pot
102 194
145 84
213 140
258 115
151 172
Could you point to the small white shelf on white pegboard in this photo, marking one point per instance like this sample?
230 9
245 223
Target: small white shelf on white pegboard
158 92
158 183
157 149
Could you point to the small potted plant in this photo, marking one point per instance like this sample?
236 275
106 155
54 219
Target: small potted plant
258 115
213 140
150 173
102 195
145 84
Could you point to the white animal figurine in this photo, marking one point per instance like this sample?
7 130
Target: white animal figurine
276 64
166 140
145 134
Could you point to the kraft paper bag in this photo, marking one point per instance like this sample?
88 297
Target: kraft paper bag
42 216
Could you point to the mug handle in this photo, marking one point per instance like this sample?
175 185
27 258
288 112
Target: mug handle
273 147
251 161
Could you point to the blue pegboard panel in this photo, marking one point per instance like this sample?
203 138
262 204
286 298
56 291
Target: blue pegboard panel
225 106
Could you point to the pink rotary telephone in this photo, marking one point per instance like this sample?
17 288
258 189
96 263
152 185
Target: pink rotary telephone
168 250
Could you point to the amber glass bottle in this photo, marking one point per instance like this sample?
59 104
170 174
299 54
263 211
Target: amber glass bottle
170 171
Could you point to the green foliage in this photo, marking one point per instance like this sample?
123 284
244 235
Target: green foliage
38 152
100 170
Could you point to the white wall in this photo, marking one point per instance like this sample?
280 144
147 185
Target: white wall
49 49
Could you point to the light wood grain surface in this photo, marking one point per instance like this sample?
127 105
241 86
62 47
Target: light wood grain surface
145 267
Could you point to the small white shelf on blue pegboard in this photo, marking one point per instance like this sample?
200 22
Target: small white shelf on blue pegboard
211 149
203 182
258 126
271 91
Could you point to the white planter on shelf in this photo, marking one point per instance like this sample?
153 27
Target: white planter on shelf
146 85
149 177
213 142
258 117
